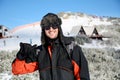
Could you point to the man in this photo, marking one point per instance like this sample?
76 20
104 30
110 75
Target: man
52 58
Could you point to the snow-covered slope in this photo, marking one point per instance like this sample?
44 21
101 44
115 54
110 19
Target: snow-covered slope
70 20
31 33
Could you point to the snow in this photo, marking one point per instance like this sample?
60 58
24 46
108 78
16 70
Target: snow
26 35
31 33
93 44
5 76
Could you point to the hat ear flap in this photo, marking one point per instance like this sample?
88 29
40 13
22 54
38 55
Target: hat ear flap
59 20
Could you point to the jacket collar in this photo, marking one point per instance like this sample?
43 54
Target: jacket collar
67 40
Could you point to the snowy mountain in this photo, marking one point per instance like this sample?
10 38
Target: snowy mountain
31 33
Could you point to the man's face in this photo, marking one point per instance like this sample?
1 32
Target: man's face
51 32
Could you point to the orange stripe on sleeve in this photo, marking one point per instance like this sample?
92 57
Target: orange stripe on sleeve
20 67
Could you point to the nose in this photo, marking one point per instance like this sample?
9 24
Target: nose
51 28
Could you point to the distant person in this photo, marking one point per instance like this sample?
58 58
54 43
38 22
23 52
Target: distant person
53 58
30 41
4 42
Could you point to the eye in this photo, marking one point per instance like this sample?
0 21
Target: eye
46 27
54 27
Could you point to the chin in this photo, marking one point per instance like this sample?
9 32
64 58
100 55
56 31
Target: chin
52 37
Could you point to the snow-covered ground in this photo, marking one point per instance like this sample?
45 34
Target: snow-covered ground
5 76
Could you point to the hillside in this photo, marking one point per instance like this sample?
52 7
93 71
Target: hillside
103 56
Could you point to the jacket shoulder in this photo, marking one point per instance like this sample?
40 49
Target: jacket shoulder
38 49
68 40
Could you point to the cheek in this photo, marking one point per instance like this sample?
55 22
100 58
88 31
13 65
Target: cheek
57 32
46 32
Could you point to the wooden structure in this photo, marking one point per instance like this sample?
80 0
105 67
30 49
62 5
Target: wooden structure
88 31
3 31
92 32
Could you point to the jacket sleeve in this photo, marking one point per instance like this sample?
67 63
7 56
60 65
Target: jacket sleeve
81 60
21 67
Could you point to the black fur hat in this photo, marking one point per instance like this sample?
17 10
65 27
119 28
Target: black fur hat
50 19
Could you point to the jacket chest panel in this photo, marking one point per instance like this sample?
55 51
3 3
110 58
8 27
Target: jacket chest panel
59 59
